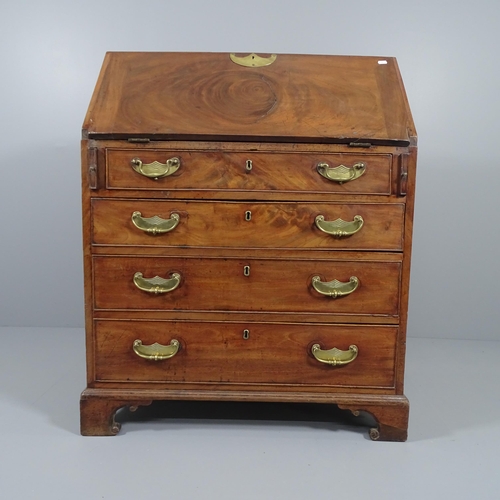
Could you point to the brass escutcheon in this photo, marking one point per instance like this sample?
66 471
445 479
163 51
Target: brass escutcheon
253 60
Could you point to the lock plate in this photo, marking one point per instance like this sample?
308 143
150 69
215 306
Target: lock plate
253 60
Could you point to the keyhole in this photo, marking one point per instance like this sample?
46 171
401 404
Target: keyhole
246 334
246 271
248 215
248 165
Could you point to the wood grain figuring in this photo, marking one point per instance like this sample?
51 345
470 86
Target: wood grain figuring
200 96
272 225
273 285
227 171
273 353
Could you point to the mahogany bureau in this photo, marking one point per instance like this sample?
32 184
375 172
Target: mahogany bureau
247 224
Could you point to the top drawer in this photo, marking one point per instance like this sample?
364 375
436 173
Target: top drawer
314 172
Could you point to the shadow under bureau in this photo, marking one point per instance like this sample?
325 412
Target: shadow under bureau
247 225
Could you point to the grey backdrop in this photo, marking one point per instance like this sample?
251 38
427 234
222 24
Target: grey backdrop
51 52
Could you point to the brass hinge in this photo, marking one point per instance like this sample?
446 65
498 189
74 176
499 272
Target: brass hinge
360 145
92 167
138 139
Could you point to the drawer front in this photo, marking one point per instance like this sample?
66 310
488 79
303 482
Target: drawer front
218 353
232 284
246 225
208 171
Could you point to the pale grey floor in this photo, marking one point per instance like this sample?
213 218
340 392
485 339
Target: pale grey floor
178 452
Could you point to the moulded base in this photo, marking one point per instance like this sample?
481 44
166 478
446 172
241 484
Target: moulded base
99 406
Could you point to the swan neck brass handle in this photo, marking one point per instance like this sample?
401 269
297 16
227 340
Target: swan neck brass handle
253 60
335 288
341 173
156 170
156 352
157 285
155 225
335 357
339 228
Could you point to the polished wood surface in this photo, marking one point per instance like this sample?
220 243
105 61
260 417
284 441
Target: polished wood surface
216 116
273 285
208 171
218 353
270 225
207 96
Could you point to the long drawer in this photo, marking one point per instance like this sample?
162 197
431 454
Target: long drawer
155 169
248 225
259 353
239 284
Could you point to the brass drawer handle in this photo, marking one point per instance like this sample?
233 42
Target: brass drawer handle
335 357
341 173
157 285
156 352
155 225
156 170
335 288
339 228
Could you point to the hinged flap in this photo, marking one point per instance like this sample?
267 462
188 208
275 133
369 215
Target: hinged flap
194 96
